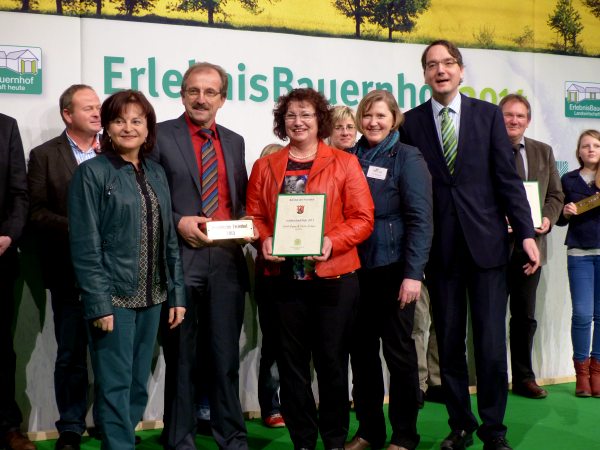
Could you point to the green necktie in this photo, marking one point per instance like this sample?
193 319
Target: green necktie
449 139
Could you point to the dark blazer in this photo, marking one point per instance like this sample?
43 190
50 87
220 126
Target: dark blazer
584 229
541 167
50 169
484 189
175 152
13 182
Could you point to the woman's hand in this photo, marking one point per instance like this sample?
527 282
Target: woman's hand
569 210
105 323
176 315
410 291
325 251
267 250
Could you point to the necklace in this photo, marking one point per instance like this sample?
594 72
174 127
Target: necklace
310 155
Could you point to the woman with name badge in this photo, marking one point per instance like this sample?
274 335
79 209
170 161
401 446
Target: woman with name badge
583 263
126 259
393 261
343 133
315 296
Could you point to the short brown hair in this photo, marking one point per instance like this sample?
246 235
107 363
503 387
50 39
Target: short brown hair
205 66
66 98
380 95
114 106
308 95
592 133
516 98
452 49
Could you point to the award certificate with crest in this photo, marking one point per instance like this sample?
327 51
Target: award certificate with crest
299 225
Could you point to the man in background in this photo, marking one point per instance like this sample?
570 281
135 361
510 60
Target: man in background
51 166
535 162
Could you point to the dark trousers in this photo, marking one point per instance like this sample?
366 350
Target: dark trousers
268 372
315 321
485 290
215 291
522 291
122 361
10 414
379 316
70 368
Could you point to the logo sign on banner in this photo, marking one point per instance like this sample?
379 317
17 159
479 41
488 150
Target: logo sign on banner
582 100
20 70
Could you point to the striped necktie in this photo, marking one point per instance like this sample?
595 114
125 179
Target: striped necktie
519 161
449 139
209 176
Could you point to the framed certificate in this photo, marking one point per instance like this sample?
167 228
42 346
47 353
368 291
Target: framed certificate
532 189
299 225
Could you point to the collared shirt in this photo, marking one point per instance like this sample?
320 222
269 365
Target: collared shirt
198 139
523 153
454 113
82 155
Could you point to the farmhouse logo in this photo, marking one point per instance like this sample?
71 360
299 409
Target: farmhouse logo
582 100
20 70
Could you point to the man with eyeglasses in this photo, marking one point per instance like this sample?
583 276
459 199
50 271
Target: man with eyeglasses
475 187
535 162
206 169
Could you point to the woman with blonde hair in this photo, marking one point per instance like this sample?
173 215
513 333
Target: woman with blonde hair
343 131
583 263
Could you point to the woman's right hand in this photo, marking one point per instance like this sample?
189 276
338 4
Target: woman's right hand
104 323
267 250
570 209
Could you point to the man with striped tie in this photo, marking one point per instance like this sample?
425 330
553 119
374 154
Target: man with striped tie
206 170
475 187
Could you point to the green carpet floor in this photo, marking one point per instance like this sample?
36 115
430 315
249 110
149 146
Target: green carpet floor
559 422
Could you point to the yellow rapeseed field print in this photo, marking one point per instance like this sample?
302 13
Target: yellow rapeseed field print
564 26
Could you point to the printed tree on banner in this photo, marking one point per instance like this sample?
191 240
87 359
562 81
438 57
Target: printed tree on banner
131 7
359 10
398 15
212 7
594 6
566 21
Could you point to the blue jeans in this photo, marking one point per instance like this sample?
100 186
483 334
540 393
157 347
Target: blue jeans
584 279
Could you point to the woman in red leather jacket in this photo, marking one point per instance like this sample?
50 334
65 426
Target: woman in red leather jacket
315 296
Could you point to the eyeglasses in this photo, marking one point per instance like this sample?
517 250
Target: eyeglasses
446 63
340 128
304 117
195 93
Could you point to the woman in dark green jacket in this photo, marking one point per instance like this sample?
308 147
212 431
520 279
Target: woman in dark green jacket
126 259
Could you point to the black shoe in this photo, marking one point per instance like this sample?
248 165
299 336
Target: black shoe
138 440
457 440
435 394
498 443
68 440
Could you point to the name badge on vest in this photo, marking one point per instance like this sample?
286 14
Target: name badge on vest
378 173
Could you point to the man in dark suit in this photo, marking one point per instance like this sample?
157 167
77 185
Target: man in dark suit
215 274
51 166
535 162
475 187
13 214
